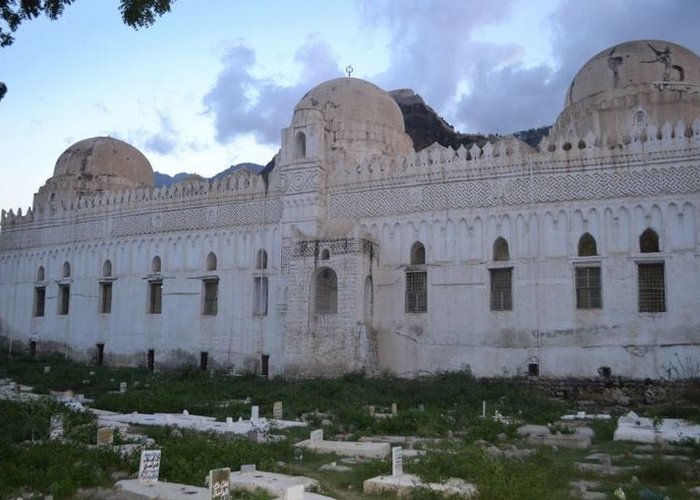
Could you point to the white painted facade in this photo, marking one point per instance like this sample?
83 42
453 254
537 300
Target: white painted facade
339 218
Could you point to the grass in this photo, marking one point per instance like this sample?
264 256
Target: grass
439 406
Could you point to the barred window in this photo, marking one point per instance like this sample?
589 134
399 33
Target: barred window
63 299
155 296
39 301
652 292
260 296
211 297
588 289
501 289
106 297
326 291
416 291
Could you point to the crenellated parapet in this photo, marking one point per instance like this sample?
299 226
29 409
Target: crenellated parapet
512 157
239 187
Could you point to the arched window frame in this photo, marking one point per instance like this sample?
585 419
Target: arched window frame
325 287
416 297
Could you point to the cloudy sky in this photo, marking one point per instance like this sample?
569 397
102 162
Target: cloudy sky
212 83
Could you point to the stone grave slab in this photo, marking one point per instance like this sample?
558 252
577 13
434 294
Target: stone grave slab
344 448
274 483
403 485
632 427
160 490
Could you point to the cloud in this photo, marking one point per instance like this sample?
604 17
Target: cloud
435 52
242 103
166 140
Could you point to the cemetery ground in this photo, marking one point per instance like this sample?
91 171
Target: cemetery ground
447 408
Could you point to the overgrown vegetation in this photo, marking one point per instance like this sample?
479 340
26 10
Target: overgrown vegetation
447 406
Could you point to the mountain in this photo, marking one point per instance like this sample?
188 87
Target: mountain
425 126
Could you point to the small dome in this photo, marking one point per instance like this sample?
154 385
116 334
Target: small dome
107 158
360 118
628 66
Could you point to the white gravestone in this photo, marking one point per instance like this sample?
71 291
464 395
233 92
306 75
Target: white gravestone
295 492
316 435
394 409
254 412
396 461
248 468
122 387
277 410
56 427
149 468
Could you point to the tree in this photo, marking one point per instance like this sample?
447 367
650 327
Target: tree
135 13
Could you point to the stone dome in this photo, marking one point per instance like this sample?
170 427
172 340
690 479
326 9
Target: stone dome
633 66
625 89
360 118
108 158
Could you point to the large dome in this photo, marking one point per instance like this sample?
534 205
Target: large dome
626 88
105 157
359 119
352 99
629 66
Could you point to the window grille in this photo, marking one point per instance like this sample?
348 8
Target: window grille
501 289
211 298
155 297
106 298
416 291
63 299
588 288
652 292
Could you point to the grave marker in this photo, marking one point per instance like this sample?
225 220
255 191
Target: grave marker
149 467
248 468
253 436
122 387
219 485
394 409
47 369
56 427
105 435
396 461
295 492
372 410
277 410
254 412
316 435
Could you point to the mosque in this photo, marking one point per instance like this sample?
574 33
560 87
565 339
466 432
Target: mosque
355 253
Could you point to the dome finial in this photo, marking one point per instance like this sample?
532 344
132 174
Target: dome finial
349 69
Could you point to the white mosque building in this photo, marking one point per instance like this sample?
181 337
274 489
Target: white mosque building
356 253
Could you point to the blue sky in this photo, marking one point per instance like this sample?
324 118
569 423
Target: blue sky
213 82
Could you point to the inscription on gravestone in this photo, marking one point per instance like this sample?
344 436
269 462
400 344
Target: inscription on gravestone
56 427
105 435
149 468
219 486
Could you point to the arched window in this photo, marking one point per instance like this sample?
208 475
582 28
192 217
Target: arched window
325 291
500 249
64 291
587 246
66 270
107 268
261 260
649 241
40 274
155 264
417 281
300 145
417 254
211 261
325 254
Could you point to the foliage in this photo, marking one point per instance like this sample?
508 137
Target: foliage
55 468
543 477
